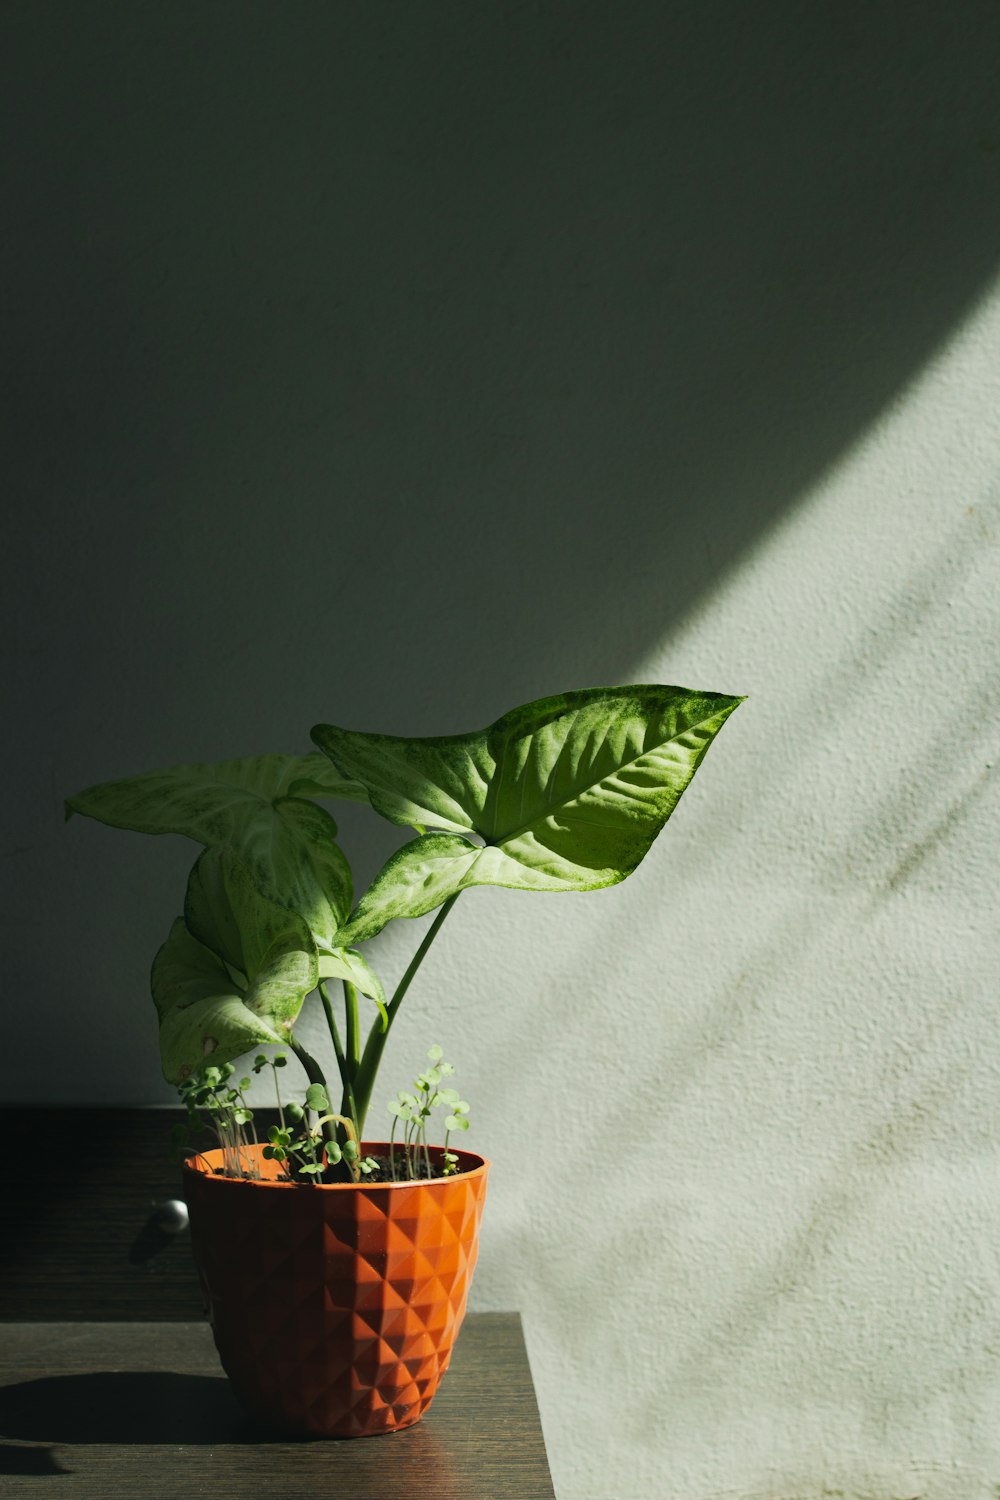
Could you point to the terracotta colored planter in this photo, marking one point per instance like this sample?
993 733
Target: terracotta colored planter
335 1308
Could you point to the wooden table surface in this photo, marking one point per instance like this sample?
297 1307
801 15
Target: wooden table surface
144 1410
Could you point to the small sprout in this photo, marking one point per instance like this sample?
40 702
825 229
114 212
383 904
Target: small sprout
279 1059
209 1102
312 1169
415 1111
350 1150
316 1097
295 1113
333 1153
244 1083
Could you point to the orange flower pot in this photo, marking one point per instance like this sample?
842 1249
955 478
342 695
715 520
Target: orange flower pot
335 1307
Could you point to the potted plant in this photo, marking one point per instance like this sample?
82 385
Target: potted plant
336 1267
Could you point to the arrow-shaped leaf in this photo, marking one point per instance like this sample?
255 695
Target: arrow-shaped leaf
202 1014
567 794
233 973
205 800
255 806
293 852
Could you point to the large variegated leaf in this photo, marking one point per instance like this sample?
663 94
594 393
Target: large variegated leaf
205 800
423 783
233 973
567 794
426 872
293 852
255 806
203 1016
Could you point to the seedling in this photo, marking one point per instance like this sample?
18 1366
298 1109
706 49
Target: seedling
414 1110
211 1102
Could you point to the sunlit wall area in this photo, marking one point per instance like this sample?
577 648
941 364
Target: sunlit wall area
751 1207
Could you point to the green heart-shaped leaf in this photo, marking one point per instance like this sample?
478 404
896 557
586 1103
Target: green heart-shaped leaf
206 800
294 854
255 806
415 880
233 972
567 794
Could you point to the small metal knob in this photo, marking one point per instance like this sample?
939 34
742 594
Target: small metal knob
171 1217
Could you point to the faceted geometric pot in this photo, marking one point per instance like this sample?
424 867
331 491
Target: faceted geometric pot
335 1307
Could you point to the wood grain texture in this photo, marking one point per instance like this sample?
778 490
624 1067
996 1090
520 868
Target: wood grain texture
81 1186
115 1409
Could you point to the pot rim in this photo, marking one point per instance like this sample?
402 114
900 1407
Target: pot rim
201 1164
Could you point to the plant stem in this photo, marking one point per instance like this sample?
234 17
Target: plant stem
427 1154
315 1075
353 1048
347 1105
364 1079
335 1035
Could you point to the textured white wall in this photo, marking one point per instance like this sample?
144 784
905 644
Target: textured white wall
398 364
748 1195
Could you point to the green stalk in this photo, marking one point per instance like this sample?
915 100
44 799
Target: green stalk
277 1095
364 1079
352 1048
423 1137
315 1075
347 1105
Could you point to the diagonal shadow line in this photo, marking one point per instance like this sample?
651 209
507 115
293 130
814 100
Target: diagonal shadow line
696 288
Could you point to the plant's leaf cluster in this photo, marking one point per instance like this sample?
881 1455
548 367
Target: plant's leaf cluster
563 794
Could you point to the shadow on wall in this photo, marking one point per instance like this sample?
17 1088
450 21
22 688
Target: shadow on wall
361 352
394 365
